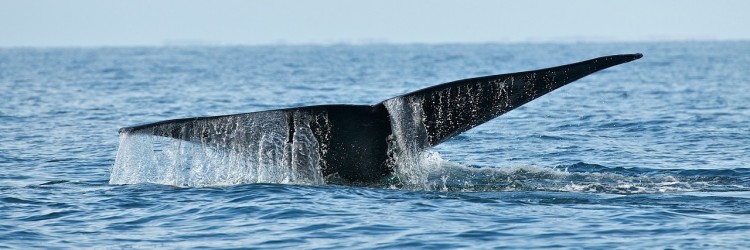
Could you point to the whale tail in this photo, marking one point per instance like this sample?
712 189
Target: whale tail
455 107
352 141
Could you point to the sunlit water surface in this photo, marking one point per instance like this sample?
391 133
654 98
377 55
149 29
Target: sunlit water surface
649 154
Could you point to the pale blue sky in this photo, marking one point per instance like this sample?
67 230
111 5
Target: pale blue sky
159 22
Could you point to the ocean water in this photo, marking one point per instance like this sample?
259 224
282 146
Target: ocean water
654 153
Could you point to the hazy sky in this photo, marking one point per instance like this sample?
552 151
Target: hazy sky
158 22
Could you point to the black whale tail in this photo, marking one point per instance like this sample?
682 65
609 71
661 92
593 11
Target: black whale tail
452 108
352 141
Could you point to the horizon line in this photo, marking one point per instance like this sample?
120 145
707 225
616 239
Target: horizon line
365 42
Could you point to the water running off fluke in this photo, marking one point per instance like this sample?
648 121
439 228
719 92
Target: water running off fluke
317 144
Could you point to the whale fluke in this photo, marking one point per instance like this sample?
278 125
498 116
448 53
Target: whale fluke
455 107
355 142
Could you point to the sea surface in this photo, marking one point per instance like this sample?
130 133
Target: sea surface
654 153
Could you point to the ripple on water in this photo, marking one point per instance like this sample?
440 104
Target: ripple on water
655 149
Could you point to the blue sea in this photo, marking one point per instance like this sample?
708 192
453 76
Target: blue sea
651 154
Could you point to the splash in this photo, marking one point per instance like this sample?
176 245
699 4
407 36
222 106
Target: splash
408 143
446 176
253 148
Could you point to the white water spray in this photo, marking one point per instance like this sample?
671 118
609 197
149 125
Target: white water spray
252 148
407 146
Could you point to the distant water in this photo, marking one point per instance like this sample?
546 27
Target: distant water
650 154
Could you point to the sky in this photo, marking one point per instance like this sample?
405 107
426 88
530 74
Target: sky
83 23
